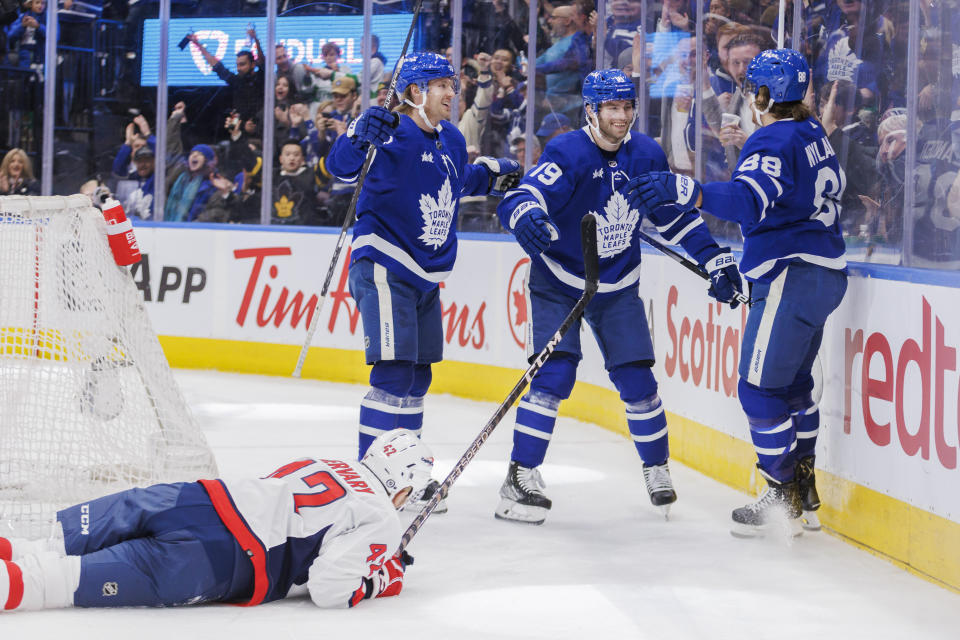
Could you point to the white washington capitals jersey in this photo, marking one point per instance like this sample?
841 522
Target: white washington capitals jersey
312 525
407 208
574 177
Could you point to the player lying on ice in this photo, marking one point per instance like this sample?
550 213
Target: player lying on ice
586 171
320 526
785 194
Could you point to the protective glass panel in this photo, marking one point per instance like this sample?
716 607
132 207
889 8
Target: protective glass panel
105 122
215 108
934 222
492 108
857 53
22 101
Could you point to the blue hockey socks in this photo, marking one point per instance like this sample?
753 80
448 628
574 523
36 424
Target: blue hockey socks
806 416
381 408
771 429
645 416
411 415
537 411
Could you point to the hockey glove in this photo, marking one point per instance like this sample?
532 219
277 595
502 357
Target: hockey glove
531 226
657 188
504 174
374 126
389 580
725 281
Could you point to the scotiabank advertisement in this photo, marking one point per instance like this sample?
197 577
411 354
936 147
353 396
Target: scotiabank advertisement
889 357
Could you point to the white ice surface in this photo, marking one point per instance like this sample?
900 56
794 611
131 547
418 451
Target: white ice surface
605 565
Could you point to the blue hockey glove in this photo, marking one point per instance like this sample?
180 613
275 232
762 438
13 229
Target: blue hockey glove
657 188
504 174
373 126
531 226
725 281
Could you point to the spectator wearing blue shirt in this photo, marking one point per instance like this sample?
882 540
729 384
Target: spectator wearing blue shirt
28 34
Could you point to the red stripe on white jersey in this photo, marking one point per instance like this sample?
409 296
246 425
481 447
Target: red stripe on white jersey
15 595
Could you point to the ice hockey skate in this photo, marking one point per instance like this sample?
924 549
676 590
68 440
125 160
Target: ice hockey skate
417 503
522 498
660 486
778 506
809 498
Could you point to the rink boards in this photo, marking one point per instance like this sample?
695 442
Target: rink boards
240 298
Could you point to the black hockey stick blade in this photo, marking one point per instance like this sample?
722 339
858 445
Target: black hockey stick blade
591 270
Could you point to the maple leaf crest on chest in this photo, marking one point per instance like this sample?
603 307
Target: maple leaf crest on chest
437 215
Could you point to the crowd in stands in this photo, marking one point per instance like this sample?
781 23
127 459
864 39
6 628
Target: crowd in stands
857 50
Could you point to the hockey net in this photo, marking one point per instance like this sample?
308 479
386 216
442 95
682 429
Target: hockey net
88 404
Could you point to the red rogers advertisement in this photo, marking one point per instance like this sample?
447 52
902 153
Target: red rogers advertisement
890 368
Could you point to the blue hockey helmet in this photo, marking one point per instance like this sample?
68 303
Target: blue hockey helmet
604 85
422 67
784 72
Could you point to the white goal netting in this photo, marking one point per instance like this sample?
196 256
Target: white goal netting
88 404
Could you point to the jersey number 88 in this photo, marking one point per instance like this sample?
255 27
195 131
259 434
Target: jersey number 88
826 195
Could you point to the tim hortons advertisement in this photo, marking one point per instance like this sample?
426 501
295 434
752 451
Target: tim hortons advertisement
889 357
263 286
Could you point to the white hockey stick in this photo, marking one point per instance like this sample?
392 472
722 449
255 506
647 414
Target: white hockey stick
352 208
591 277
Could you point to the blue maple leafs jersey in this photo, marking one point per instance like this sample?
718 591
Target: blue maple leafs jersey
574 177
407 209
785 194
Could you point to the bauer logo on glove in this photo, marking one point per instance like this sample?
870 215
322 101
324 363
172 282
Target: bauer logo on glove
686 187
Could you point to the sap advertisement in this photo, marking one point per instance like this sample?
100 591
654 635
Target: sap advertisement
303 36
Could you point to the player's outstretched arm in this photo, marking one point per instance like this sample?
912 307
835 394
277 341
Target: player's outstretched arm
652 190
494 176
670 202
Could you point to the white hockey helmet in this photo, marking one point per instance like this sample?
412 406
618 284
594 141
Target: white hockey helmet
398 459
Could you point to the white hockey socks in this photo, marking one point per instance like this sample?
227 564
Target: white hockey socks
44 581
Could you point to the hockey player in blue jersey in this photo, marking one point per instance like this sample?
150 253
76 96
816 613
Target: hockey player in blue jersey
316 526
405 241
785 194
583 172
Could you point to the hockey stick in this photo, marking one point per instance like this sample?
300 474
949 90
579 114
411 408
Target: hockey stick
689 264
352 208
588 240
